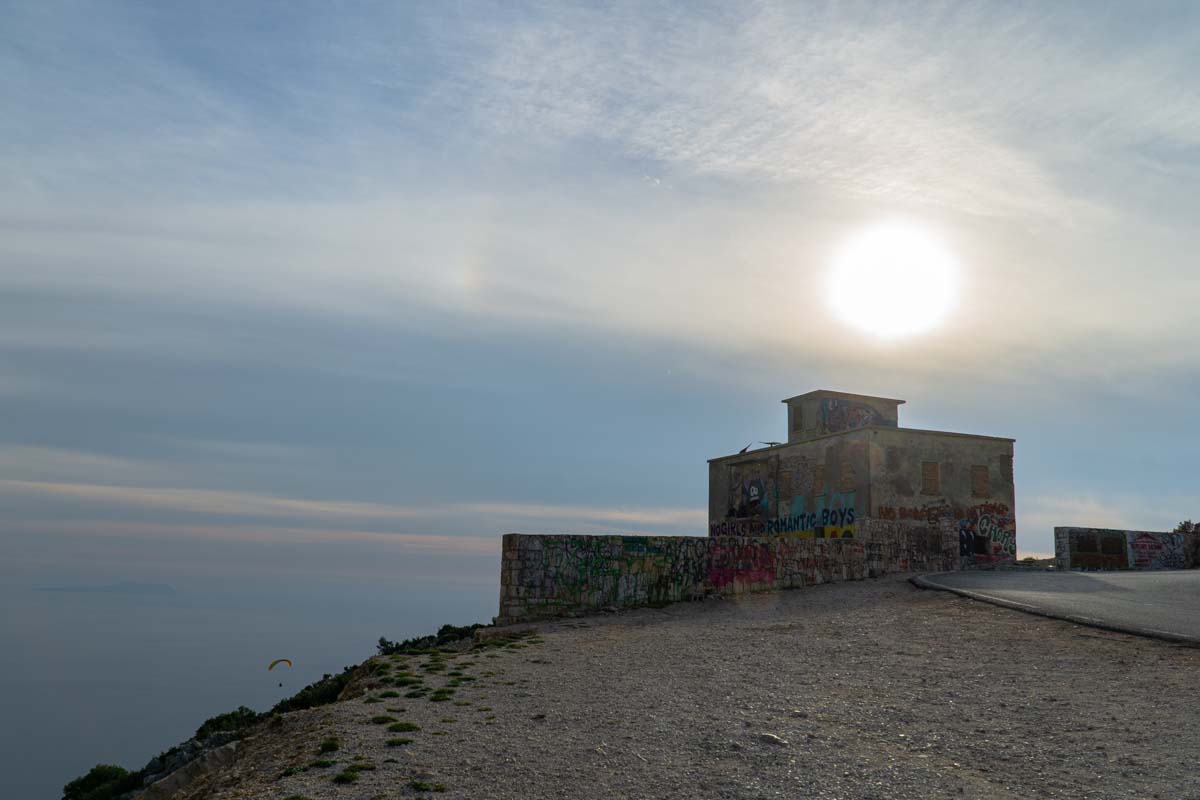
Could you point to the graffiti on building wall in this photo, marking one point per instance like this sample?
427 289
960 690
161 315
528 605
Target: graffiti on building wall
1156 551
737 527
844 415
1097 549
832 518
987 533
1101 548
771 499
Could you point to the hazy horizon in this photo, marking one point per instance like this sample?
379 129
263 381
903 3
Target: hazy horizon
300 293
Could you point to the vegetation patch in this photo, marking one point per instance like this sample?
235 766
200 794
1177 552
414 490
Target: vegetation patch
447 634
424 786
236 721
404 727
383 719
102 782
330 744
399 741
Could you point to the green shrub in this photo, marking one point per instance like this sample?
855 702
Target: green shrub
383 719
421 644
320 693
399 741
321 763
346 776
404 727
237 721
389 693
102 782
330 744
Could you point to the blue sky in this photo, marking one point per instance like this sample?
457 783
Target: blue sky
400 279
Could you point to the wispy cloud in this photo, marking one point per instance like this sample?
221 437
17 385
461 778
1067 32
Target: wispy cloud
1042 512
249 504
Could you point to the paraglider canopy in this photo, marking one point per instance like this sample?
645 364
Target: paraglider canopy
278 661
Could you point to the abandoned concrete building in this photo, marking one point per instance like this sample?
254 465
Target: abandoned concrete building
847 459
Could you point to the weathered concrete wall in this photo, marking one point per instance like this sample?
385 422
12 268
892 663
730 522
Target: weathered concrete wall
822 487
547 576
954 480
815 489
823 412
1106 548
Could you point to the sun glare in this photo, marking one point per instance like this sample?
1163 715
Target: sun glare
893 280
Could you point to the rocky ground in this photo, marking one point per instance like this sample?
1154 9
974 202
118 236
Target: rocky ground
871 689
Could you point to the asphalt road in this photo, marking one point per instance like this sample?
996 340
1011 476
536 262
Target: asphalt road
1163 604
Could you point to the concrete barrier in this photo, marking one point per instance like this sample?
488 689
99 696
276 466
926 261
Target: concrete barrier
548 576
1108 548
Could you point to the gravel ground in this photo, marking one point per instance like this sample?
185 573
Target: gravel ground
870 689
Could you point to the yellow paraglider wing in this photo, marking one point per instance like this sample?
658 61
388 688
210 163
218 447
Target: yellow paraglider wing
278 661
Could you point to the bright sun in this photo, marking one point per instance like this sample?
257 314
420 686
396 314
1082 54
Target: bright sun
893 280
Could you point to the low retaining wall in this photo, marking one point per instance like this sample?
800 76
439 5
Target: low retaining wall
1106 548
548 576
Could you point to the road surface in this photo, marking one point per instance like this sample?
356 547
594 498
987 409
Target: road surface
1162 604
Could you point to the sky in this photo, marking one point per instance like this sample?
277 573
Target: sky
347 290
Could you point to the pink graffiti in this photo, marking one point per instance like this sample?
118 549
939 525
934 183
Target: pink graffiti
752 562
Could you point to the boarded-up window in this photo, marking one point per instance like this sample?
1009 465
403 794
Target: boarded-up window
846 475
1085 543
979 480
1112 544
819 479
931 477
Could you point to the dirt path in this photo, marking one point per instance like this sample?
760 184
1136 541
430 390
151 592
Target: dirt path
871 690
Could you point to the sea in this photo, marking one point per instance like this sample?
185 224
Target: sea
119 669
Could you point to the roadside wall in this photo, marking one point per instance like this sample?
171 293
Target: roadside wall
1106 548
548 576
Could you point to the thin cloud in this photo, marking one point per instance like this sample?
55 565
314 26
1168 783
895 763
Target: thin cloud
249 504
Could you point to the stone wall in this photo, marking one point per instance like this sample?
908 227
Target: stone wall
548 576
1106 548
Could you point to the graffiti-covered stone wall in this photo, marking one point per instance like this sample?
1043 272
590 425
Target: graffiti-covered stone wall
1106 548
547 576
820 489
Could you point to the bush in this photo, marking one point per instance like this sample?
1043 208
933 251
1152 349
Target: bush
1187 526
420 644
102 782
323 692
329 745
403 727
237 721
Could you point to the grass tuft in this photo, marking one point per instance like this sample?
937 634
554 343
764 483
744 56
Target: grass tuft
404 727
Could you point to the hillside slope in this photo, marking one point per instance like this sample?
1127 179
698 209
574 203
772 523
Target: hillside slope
857 690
